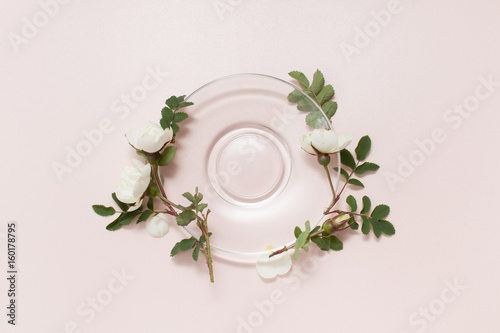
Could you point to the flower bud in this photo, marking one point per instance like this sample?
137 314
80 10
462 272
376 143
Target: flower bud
324 159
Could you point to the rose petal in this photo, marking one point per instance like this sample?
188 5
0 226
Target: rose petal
269 268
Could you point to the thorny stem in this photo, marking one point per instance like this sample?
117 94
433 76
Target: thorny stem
203 225
202 221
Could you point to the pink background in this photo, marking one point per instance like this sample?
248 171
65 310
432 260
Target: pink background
400 84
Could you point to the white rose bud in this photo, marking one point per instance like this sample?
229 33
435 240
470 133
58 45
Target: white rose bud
157 225
151 139
133 182
324 141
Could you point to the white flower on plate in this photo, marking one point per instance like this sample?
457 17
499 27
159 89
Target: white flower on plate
324 141
158 225
269 268
133 182
150 139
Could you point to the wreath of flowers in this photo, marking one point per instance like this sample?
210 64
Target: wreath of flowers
142 182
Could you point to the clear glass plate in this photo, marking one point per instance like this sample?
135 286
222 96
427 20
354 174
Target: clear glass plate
241 147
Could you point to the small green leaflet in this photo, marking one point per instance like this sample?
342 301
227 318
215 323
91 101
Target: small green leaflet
167 155
144 216
380 212
184 245
103 210
325 94
367 166
355 182
303 81
318 82
347 159
329 108
363 147
315 119
351 201
184 218
366 205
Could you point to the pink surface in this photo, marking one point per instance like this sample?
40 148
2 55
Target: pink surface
421 78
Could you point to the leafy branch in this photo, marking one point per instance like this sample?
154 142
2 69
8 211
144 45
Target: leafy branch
171 116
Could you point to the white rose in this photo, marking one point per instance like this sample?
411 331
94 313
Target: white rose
151 139
157 225
325 141
269 268
133 182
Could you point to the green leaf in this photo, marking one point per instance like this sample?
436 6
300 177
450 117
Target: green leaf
172 102
184 245
363 147
127 218
179 116
367 166
323 243
167 155
303 81
150 204
297 232
115 225
342 172
354 225
377 229
164 124
201 207
184 104
185 217
355 182
366 205
295 96
387 227
175 128
123 206
335 243
189 196
318 82
306 105
365 227
351 201
103 210
167 115
198 196
329 108
196 252
315 119
325 94
347 159
380 212
302 239
296 253
144 216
